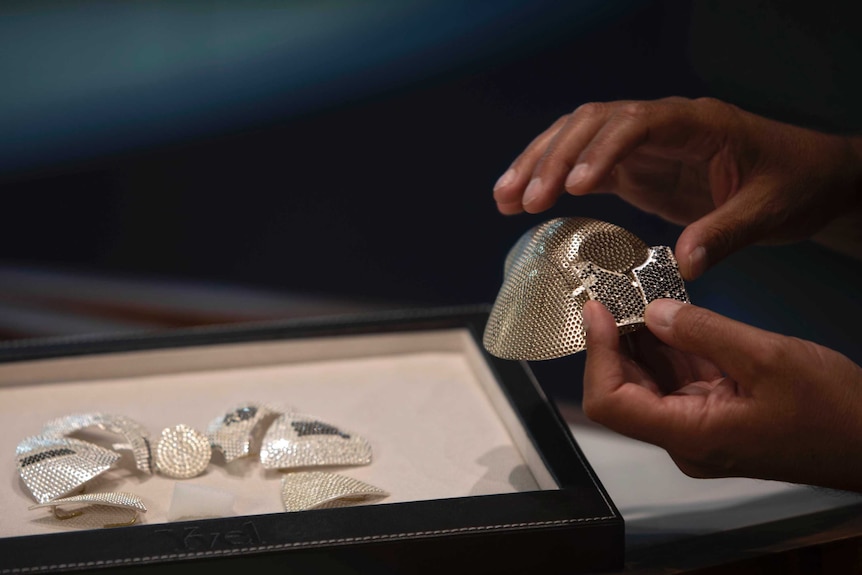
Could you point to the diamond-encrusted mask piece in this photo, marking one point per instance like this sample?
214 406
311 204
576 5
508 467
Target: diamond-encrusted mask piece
626 296
182 452
112 509
238 432
136 435
658 277
52 467
614 290
301 490
111 499
297 440
556 267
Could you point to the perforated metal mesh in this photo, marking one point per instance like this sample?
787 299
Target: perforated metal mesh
556 267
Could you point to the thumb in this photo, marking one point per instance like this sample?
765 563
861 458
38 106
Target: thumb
723 231
734 347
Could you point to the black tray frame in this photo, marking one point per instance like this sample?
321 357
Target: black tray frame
573 529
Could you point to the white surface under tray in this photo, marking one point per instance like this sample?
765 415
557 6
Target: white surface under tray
660 503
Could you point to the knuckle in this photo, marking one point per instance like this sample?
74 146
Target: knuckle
724 236
778 355
590 110
553 161
714 105
709 102
816 355
695 324
634 111
771 352
675 100
561 121
551 164
727 114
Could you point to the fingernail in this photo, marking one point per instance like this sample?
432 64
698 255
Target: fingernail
577 175
697 262
660 312
505 179
532 191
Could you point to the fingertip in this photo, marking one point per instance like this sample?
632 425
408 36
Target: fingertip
721 232
591 307
692 263
602 368
599 324
506 195
698 261
509 188
507 178
574 184
691 257
535 208
533 192
510 208
541 194
660 313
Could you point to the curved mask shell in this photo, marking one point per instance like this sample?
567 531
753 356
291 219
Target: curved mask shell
556 267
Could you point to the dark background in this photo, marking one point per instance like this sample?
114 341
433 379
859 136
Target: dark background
349 149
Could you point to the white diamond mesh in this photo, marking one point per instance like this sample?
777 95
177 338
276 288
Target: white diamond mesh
302 490
135 434
112 499
238 432
182 452
297 440
52 467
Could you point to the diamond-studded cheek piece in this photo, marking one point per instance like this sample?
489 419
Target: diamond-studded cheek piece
302 490
556 267
301 440
237 433
53 467
136 435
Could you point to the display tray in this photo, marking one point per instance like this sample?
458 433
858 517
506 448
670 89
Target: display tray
482 473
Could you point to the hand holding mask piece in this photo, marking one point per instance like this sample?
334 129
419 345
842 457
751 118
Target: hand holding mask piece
556 267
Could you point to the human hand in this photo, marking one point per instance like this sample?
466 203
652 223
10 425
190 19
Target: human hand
727 399
732 177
